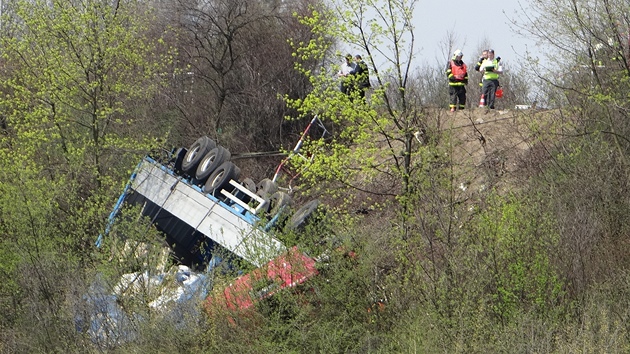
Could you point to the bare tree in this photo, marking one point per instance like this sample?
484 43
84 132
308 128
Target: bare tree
234 66
587 62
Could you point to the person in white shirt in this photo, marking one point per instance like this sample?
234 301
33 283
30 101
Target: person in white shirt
346 67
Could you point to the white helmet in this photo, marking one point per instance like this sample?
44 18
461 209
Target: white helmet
458 53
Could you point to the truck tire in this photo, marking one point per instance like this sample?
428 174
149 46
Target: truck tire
266 188
213 159
249 184
196 152
277 202
220 178
178 157
303 215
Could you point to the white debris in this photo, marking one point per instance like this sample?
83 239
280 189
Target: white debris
107 323
190 285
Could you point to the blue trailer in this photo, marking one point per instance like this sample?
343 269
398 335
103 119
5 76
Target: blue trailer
202 209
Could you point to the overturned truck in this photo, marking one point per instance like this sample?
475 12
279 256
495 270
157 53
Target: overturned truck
195 197
207 213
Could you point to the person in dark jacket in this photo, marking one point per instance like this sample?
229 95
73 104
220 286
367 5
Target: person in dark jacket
360 76
457 74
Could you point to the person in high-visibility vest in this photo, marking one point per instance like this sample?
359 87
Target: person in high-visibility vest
457 74
484 56
490 69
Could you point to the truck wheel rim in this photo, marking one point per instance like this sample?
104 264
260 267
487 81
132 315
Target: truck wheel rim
192 153
207 162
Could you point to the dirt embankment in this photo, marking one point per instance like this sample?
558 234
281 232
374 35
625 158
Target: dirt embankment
493 148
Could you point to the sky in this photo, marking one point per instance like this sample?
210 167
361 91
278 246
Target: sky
472 22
